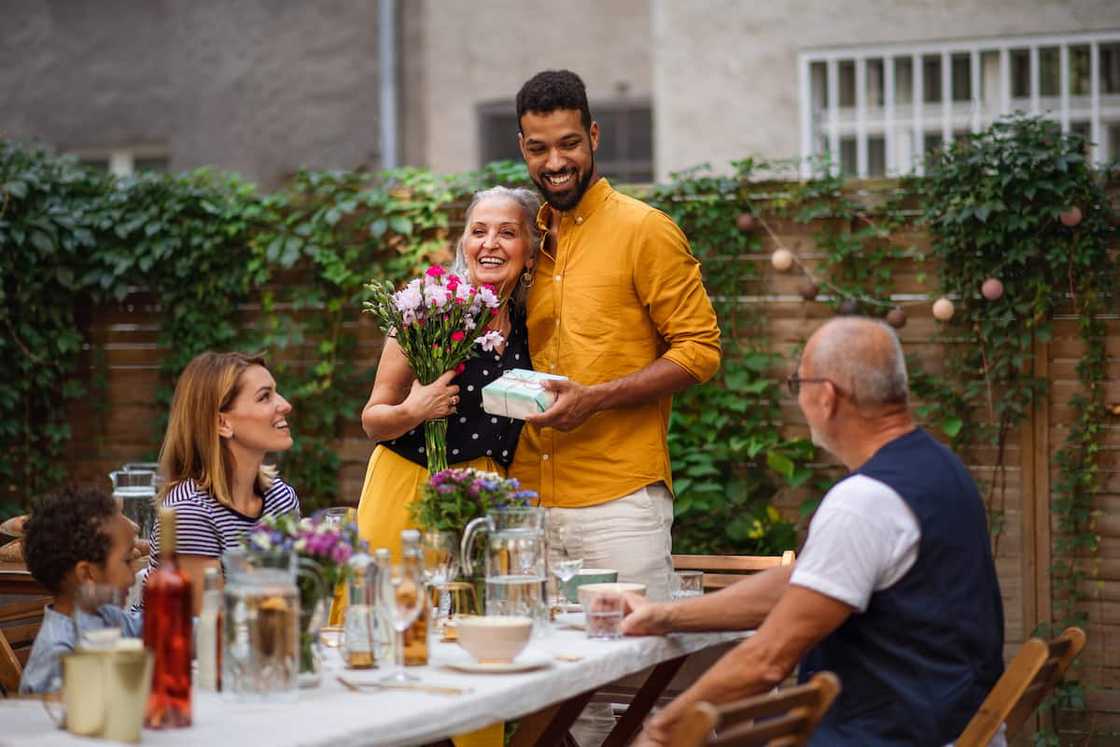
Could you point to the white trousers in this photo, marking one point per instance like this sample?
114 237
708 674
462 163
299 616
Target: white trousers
631 535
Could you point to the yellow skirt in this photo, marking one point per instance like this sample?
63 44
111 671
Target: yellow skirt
392 483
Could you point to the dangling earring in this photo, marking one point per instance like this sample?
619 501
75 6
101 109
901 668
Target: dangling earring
527 278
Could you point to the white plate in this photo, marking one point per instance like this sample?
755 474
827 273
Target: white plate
463 661
572 620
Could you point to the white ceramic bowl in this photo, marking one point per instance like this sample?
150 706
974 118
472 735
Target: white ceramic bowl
494 638
587 591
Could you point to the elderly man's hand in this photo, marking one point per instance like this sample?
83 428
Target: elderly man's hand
656 732
644 617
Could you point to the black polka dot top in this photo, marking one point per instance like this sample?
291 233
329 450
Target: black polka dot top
472 433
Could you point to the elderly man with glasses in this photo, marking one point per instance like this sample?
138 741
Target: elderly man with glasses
895 589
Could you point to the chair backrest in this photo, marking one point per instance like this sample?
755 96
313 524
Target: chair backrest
21 615
724 570
10 668
1031 676
785 718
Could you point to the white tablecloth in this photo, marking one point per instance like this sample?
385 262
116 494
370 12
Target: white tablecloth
335 717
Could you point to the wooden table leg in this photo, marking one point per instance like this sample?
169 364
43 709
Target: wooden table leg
631 721
548 726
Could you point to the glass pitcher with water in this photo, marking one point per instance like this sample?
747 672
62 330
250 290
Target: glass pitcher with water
260 635
515 561
134 490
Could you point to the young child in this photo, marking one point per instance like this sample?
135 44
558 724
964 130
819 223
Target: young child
74 537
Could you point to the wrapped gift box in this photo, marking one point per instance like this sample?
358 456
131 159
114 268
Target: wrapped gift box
519 393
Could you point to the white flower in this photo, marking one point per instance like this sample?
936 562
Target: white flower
437 295
463 292
409 298
468 322
488 297
490 340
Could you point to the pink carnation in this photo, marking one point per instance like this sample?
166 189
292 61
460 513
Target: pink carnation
434 271
458 335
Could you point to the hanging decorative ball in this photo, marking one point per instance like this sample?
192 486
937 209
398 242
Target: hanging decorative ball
992 289
745 222
896 317
848 307
943 309
809 290
1071 217
782 259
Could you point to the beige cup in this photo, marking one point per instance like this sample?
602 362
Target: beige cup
84 692
496 639
104 693
128 683
587 591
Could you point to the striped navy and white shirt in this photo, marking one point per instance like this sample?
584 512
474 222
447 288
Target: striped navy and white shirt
207 528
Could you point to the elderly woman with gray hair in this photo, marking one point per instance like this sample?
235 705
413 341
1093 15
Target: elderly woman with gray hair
498 248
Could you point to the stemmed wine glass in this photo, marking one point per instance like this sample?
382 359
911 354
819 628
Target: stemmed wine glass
96 628
402 600
564 567
441 566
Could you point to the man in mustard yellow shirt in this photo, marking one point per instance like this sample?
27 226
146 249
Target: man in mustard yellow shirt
618 306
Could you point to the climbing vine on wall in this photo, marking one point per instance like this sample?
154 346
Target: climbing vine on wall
1019 204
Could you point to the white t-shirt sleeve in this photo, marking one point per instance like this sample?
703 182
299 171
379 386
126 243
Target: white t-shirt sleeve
863 539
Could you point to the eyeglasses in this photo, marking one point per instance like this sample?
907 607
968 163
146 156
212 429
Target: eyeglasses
794 382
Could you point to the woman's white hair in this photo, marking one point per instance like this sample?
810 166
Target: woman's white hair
529 203
864 357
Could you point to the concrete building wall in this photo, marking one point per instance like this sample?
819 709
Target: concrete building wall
725 71
477 53
261 87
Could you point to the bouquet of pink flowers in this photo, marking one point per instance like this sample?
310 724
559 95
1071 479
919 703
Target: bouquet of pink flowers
434 319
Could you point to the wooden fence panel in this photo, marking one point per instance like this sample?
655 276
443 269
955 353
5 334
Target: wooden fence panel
119 424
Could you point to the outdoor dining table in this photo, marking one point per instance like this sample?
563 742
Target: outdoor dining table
545 701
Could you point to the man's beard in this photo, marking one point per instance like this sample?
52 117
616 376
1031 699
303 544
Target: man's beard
570 200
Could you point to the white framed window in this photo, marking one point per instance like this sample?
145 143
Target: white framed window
125 161
876 110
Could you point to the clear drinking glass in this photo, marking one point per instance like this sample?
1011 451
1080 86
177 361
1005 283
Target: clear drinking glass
685 584
604 616
441 567
402 600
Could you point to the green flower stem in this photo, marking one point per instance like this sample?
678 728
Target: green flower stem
435 444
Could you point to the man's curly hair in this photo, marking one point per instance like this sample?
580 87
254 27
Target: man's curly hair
66 527
550 90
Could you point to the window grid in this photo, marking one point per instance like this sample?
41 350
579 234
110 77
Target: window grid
858 107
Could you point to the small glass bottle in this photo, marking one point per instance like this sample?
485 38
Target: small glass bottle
208 633
359 645
416 635
167 634
384 637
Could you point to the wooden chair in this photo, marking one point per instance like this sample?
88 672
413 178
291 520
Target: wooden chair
724 570
20 618
1031 676
719 571
785 718
10 668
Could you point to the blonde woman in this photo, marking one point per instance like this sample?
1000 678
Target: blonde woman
225 417
498 247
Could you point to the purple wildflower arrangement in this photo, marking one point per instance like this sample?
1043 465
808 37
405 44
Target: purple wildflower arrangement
436 320
452 497
325 543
